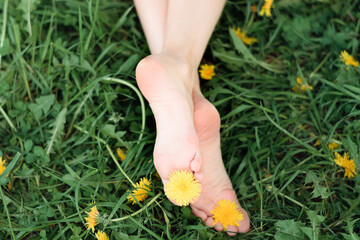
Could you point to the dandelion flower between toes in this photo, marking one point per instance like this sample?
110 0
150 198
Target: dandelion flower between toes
93 218
226 213
182 187
207 71
347 164
140 193
100 235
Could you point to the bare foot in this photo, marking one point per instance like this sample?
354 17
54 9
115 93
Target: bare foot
167 83
216 184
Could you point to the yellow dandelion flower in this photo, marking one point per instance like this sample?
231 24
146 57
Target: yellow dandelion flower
121 154
2 166
93 218
182 187
242 35
100 235
226 213
333 145
347 164
266 8
300 87
140 193
346 58
207 71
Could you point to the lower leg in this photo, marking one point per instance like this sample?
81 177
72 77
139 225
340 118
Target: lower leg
152 14
189 26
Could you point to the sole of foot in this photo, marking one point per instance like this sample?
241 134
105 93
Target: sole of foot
216 184
166 82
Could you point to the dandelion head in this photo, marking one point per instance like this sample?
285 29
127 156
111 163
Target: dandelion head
346 58
347 163
93 218
242 35
226 213
182 187
207 71
121 154
2 166
100 235
266 8
301 87
333 145
140 193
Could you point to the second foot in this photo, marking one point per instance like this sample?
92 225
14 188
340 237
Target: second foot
216 184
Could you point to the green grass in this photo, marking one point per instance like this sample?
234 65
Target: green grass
60 121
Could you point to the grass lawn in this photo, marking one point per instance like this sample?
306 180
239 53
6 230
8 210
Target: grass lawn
69 100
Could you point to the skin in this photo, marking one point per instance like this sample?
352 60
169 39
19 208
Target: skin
187 124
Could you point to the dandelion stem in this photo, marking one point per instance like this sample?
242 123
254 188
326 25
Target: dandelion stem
275 190
320 65
142 103
3 27
139 211
110 151
7 119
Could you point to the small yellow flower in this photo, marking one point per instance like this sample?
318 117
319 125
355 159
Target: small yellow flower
242 35
333 145
93 218
182 187
347 164
207 71
300 87
346 58
266 8
100 235
2 166
121 154
226 213
140 193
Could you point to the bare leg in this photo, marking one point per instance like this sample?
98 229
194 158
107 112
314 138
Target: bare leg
169 81
152 14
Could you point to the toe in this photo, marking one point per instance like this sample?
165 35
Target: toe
209 222
245 223
196 163
218 227
232 230
199 213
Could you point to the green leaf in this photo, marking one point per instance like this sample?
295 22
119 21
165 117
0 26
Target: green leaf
288 230
58 129
28 145
240 46
42 105
109 131
315 223
5 49
319 190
